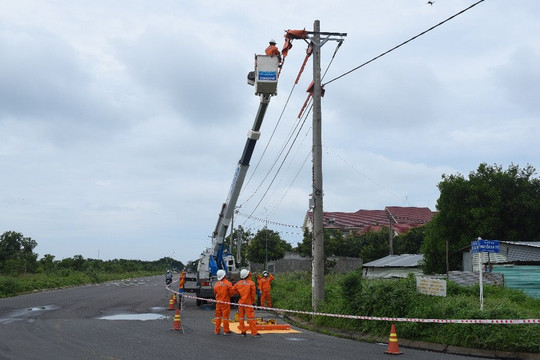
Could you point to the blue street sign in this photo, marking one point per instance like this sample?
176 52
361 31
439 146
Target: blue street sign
489 246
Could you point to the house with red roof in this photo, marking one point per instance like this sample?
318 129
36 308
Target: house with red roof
399 218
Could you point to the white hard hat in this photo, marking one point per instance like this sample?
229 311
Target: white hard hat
265 273
244 273
221 274
272 41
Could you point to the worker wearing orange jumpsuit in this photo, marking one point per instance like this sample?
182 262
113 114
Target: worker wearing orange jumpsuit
272 50
222 291
264 286
246 289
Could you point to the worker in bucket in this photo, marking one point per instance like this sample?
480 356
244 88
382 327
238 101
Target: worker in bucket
265 283
272 50
246 289
222 291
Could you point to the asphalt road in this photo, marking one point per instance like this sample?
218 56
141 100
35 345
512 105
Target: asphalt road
72 324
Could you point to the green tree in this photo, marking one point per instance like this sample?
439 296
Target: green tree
267 241
245 236
491 203
333 243
410 242
374 245
17 253
47 263
304 247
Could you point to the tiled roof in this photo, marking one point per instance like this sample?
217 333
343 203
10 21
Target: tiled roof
410 215
362 221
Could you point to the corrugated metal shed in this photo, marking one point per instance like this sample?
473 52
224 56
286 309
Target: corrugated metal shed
523 277
392 266
518 261
405 260
511 252
521 251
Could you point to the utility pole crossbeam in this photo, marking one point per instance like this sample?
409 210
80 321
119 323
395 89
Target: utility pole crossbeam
318 39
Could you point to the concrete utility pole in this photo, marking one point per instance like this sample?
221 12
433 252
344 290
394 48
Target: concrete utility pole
317 274
317 245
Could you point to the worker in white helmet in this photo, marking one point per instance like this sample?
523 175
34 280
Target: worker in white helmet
246 289
222 292
272 50
265 283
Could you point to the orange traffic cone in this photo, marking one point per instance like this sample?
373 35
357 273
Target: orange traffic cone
393 347
177 324
171 304
174 298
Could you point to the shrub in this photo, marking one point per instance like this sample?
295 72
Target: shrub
350 294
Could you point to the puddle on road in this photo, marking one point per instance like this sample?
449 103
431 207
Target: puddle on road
26 314
294 339
157 308
141 317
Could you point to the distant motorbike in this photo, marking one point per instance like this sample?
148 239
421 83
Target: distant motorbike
168 281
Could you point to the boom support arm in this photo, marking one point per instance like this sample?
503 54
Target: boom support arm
227 208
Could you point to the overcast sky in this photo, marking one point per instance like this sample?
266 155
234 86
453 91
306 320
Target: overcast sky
122 122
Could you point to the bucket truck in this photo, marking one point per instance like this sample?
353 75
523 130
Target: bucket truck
217 256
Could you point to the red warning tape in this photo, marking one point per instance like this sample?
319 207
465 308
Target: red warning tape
379 318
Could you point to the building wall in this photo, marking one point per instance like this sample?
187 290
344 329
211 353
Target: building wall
294 262
346 264
470 278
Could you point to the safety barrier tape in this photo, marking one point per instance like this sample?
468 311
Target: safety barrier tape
379 318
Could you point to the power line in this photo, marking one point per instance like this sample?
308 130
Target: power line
270 139
295 131
283 152
329 150
403 43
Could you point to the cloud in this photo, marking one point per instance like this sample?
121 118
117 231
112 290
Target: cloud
122 123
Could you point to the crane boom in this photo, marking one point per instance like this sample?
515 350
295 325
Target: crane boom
226 213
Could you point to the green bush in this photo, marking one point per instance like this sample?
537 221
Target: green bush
8 286
352 295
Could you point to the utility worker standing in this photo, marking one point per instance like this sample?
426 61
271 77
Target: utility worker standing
272 50
259 289
246 288
222 291
264 285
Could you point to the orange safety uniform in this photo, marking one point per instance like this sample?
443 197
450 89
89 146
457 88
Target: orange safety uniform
272 50
264 287
222 291
246 289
